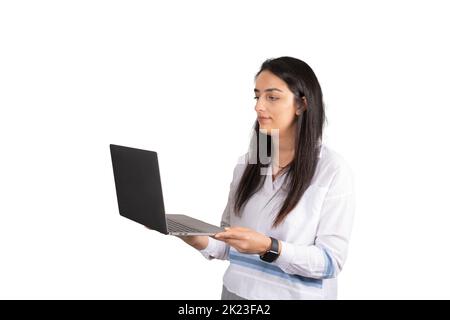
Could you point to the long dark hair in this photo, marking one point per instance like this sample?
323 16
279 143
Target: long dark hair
302 82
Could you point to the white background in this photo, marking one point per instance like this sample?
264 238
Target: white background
177 77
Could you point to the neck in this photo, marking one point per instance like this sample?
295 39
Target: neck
284 148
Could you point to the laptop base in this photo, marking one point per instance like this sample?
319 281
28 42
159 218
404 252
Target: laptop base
182 225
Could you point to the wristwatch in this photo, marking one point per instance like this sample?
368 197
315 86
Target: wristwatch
273 253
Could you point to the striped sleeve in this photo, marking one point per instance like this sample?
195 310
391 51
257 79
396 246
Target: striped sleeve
326 257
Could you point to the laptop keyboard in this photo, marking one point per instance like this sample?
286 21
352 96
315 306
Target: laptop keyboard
178 227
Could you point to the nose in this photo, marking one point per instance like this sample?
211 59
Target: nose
259 107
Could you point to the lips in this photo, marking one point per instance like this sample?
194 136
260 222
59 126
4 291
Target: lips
264 120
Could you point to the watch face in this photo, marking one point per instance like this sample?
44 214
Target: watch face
272 254
269 256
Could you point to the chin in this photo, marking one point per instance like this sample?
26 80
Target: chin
268 128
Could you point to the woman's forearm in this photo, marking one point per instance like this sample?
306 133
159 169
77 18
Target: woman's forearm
198 242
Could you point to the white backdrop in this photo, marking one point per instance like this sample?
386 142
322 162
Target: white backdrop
177 77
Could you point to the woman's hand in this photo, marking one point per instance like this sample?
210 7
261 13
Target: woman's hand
245 240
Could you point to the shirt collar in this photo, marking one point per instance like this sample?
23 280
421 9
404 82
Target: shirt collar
275 185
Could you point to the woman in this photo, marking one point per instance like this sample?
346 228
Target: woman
288 220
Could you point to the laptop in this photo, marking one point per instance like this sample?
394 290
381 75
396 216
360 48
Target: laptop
140 197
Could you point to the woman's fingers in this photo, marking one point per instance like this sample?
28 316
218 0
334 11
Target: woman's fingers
235 235
228 235
229 231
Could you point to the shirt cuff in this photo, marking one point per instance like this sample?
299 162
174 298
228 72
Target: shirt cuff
214 249
286 255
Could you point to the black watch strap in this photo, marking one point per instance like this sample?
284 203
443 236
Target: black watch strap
273 253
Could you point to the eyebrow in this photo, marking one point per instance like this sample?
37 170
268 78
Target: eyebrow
268 90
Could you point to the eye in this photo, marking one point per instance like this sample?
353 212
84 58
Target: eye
256 98
272 98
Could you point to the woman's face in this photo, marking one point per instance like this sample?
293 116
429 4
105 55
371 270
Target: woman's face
275 103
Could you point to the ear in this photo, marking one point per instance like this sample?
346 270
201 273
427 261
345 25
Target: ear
303 107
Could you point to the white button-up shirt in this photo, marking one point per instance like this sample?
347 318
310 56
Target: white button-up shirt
314 236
